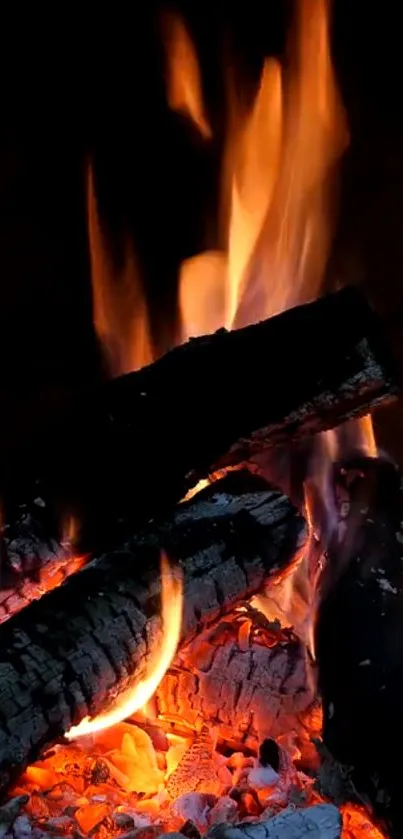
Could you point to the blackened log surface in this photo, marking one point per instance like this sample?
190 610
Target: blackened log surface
133 449
65 655
28 542
360 641
244 689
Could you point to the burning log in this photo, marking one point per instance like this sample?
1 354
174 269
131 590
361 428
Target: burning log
360 640
246 679
65 656
133 449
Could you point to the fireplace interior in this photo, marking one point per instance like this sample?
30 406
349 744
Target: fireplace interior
201 537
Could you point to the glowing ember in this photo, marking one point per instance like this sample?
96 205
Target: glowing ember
51 575
130 777
132 699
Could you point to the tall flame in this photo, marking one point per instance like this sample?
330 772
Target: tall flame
128 702
279 163
119 308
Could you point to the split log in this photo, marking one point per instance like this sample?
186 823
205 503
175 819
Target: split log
360 639
64 656
247 680
132 450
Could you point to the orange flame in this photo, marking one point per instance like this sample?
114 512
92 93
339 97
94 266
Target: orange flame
356 437
291 251
127 703
119 308
292 597
279 161
365 428
184 86
70 531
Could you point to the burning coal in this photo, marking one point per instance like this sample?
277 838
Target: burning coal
161 772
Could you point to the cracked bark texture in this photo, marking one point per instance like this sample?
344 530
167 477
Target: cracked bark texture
29 549
244 689
323 821
134 448
64 656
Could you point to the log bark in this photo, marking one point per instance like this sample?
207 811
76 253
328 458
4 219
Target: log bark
65 655
243 688
132 450
323 821
360 639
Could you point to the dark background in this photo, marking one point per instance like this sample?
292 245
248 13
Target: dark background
93 84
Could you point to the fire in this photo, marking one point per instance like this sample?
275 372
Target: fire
279 164
367 434
127 703
292 597
183 81
277 202
356 437
70 531
119 308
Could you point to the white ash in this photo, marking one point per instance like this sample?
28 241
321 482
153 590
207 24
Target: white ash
262 776
22 828
194 806
225 810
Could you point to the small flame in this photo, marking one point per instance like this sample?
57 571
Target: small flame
255 155
292 598
184 86
70 531
356 437
127 703
119 307
365 429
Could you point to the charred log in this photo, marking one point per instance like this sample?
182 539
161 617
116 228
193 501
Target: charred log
323 821
64 656
23 588
360 640
246 681
132 450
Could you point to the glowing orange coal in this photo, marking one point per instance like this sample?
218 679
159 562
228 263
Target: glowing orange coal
133 698
119 308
